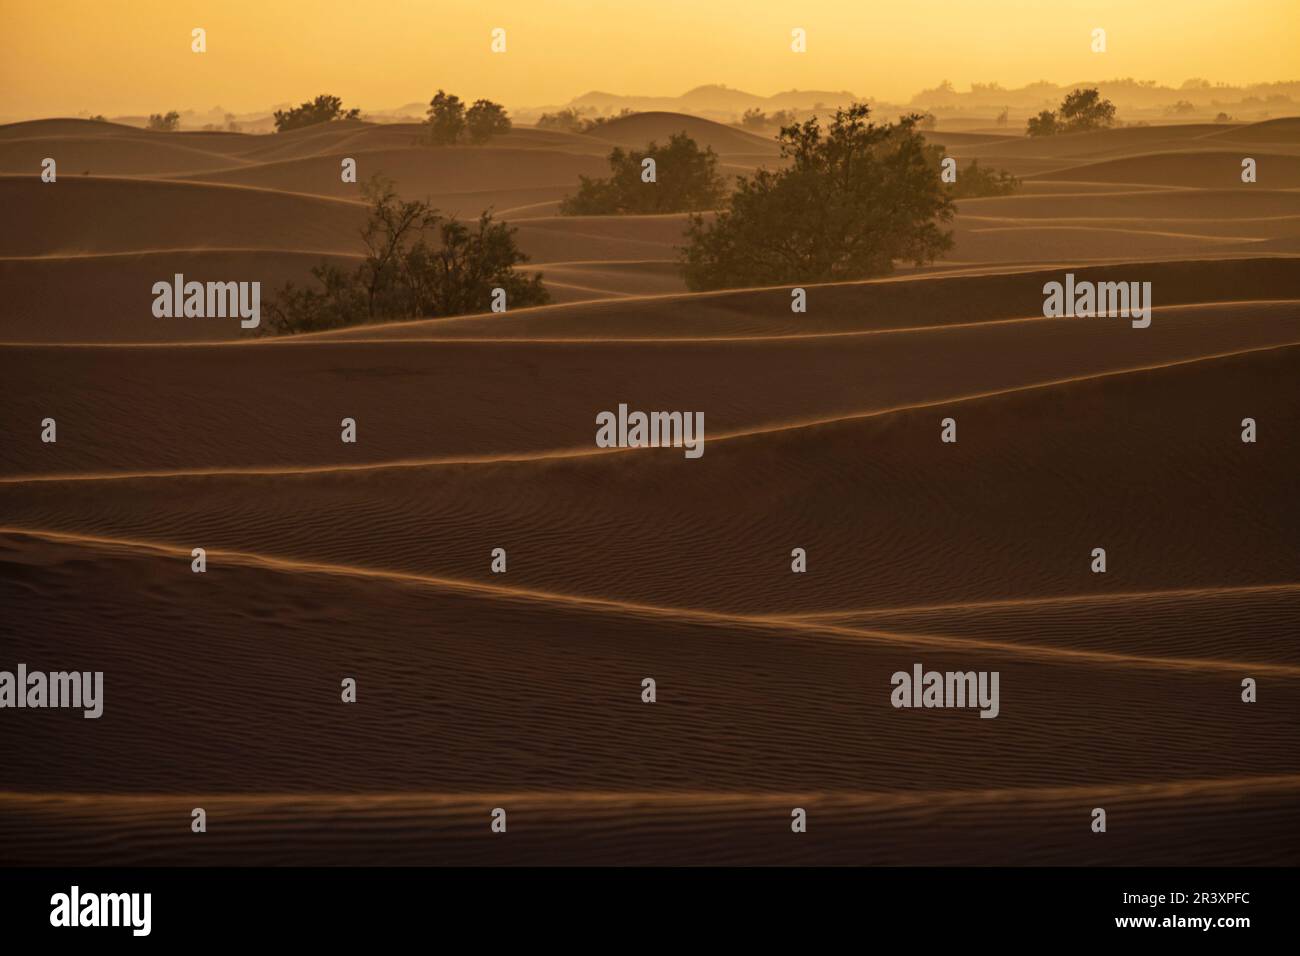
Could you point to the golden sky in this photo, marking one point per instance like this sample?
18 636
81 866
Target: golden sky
62 57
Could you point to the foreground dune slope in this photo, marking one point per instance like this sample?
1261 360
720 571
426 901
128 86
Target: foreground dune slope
500 698
276 405
1244 822
898 302
1147 464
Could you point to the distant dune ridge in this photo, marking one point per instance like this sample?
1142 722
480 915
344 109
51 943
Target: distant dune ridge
522 689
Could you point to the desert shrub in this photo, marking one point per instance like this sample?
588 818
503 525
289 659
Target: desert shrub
686 179
853 198
167 123
323 109
417 264
976 180
1081 110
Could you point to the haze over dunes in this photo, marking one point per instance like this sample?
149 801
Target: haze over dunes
329 559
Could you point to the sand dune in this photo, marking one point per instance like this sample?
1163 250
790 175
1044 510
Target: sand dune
637 130
895 303
60 126
1211 170
168 215
1240 202
566 238
584 281
883 524
1105 143
496 173
1247 624
494 693
1030 241
823 377
1283 130
522 690
108 298
1235 821
142 155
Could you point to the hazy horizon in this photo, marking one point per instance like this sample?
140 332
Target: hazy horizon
65 58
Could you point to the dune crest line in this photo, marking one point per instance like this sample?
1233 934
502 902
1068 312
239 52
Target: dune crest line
586 451
549 598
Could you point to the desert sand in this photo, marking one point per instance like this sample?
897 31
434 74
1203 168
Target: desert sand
523 690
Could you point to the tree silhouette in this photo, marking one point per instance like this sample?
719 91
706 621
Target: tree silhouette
418 263
168 123
446 118
1081 110
322 109
854 198
486 119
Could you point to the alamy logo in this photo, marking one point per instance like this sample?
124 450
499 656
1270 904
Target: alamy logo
200 300
653 430
103 909
1091 299
75 689
947 689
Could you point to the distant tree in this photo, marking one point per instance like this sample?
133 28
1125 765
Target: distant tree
1081 110
1181 108
1223 118
232 124
571 120
418 263
566 119
1044 124
446 119
1084 110
596 122
686 179
754 119
99 118
976 181
1004 116
323 109
486 119
167 123
851 200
